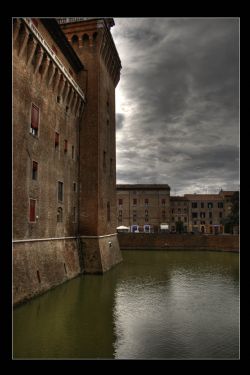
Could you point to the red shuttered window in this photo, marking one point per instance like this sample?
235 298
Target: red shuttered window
56 139
32 210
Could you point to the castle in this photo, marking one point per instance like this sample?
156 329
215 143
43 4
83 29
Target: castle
65 72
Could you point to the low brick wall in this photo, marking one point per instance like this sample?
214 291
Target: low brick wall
160 241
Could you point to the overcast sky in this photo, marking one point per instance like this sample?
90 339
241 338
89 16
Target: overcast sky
177 103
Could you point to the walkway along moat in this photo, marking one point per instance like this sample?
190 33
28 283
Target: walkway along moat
155 304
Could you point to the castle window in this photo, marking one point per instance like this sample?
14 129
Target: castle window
60 191
220 204
120 202
65 145
56 140
74 187
134 201
34 120
59 215
210 205
73 152
220 214
32 214
210 215
108 211
202 205
85 40
34 170
194 204
74 40
146 202
163 202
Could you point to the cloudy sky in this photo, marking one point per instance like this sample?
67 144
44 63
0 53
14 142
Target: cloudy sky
177 103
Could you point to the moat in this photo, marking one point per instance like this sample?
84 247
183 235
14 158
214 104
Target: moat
155 304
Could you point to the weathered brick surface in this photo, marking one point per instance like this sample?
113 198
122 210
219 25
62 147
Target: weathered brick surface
100 254
47 257
178 241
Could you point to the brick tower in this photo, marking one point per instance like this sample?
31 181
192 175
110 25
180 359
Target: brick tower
93 43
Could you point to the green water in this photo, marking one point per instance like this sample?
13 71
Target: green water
156 304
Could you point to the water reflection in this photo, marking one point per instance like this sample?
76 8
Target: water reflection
153 305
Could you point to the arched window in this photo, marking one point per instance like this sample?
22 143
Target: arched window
59 215
85 39
95 37
74 40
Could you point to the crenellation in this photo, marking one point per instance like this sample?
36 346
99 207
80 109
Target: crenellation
39 58
23 40
31 47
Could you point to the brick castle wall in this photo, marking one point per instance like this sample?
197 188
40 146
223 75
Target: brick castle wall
41 265
178 241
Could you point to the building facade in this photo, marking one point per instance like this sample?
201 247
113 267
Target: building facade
140 206
64 167
206 213
143 207
179 214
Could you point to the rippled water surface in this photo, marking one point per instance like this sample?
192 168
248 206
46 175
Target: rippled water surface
156 304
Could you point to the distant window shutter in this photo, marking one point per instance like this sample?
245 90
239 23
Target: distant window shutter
65 145
34 117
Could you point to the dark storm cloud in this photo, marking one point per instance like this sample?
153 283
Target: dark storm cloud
178 115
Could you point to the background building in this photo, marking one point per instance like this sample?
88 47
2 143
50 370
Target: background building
206 213
140 205
143 205
64 166
179 214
